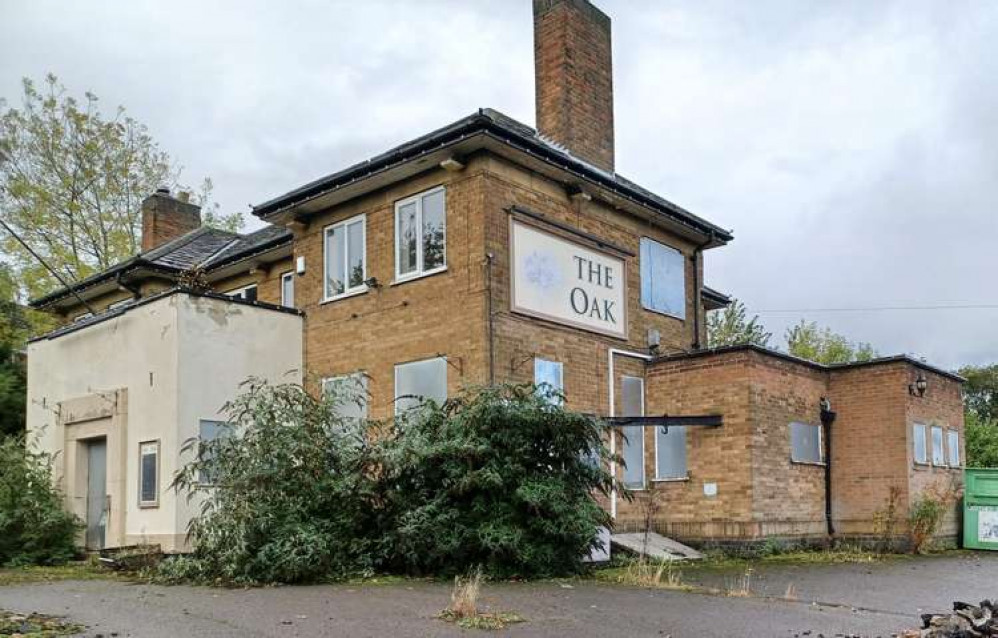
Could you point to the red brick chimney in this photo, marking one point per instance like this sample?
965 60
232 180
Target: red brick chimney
165 217
574 78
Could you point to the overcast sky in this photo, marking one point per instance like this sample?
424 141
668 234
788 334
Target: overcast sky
851 146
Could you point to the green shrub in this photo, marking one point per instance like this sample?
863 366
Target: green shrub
982 442
498 478
494 478
35 529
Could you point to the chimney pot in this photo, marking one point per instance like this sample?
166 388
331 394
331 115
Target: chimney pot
573 73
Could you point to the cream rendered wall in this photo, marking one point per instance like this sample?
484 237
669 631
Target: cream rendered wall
179 358
217 355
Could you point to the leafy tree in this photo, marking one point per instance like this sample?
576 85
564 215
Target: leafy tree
34 526
981 441
809 341
71 184
731 326
980 392
17 323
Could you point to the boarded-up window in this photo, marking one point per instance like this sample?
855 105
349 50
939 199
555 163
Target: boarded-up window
633 454
419 381
805 443
921 443
349 395
663 278
670 452
149 473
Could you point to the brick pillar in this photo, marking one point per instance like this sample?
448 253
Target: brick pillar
165 217
574 78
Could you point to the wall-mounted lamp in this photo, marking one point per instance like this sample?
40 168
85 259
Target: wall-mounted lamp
917 389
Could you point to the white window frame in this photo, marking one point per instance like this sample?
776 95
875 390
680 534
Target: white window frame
395 383
821 444
240 293
362 380
915 428
672 479
561 377
347 291
942 445
950 450
142 455
419 272
644 474
288 276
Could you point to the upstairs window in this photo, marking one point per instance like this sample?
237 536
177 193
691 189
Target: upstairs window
345 258
247 293
420 380
953 447
920 435
548 378
805 443
288 290
149 474
420 235
663 279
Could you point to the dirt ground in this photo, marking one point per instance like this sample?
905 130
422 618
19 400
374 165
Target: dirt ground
877 599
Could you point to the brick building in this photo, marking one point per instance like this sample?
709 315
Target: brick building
487 251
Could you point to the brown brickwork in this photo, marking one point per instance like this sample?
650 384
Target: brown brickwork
165 218
574 78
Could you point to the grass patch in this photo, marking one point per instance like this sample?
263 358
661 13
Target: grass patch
35 625
84 570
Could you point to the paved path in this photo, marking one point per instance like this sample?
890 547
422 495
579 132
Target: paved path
866 600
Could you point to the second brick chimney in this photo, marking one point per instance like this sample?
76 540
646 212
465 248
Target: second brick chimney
165 217
574 78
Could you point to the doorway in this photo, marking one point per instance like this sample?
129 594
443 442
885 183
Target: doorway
97 499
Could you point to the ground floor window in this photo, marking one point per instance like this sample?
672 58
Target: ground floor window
670 453
351 394
938 454
149 474
953 447
805 443
632 403
209 430
418 381
549 379
920 435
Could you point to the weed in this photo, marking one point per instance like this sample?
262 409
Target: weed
464 611
742 588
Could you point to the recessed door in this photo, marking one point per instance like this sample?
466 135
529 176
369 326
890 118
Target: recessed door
96 493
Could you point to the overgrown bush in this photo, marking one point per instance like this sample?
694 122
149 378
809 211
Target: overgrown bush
495 478
500 478
927 512
35 529
287 495
982 442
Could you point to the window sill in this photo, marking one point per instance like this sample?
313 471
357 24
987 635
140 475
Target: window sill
810 463
407 278
918 465
664 313
642 488
149 506
678 479
345 295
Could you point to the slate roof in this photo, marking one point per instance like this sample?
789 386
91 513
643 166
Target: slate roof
511 132
202 247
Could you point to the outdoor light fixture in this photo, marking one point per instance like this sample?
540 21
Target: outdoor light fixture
917 389
826 405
